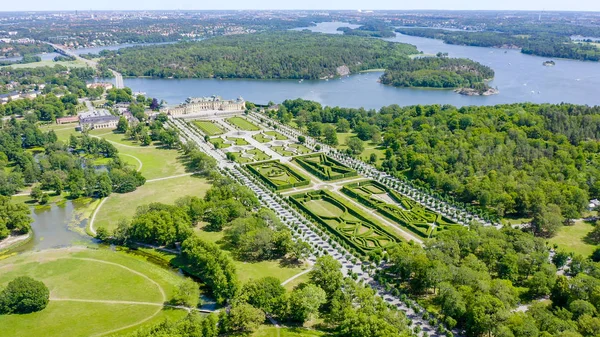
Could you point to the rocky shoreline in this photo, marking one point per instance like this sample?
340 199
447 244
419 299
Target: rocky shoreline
475 92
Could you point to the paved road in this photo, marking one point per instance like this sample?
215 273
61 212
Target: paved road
119 84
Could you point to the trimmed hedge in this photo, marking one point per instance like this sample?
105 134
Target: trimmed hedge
347 229
302 181
327 168
417 219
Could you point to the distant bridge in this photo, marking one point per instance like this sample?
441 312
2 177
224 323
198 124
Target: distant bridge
118 77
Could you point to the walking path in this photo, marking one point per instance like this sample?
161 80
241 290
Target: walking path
94 215
136 158
170 177
296 276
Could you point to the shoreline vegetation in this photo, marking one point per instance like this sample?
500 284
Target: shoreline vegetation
544 45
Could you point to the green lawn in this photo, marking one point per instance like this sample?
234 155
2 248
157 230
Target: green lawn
277 135
261 138
253 270
63 131
282 151
238 141
89 275
123 206
369 147
243 124
259 155
571 238
219 143
209 128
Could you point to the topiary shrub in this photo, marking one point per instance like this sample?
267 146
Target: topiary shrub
24 295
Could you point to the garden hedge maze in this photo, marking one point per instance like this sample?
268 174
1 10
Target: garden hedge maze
407 212
324 167
351 227
277 175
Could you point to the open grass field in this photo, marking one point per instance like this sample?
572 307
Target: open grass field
354 228
572 238
243 124
85 289
208 128
123 206
277 175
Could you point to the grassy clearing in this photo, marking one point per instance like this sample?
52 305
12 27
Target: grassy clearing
123 206
63 131
572 238
242 124
69 275
209 128
247 271
369 147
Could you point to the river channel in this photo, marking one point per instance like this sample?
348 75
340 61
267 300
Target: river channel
519 77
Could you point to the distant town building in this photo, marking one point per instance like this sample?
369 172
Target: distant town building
68 119
594 203
98 119
105 85
201 105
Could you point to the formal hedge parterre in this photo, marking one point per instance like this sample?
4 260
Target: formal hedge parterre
277 175
324 167
351 227
411 215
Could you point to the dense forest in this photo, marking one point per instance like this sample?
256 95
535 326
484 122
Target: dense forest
438 72
475 279
296 55
519 159
369 30
542 44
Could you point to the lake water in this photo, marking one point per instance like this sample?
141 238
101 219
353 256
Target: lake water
519 77
56 226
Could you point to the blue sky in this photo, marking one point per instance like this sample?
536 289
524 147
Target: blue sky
576 5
